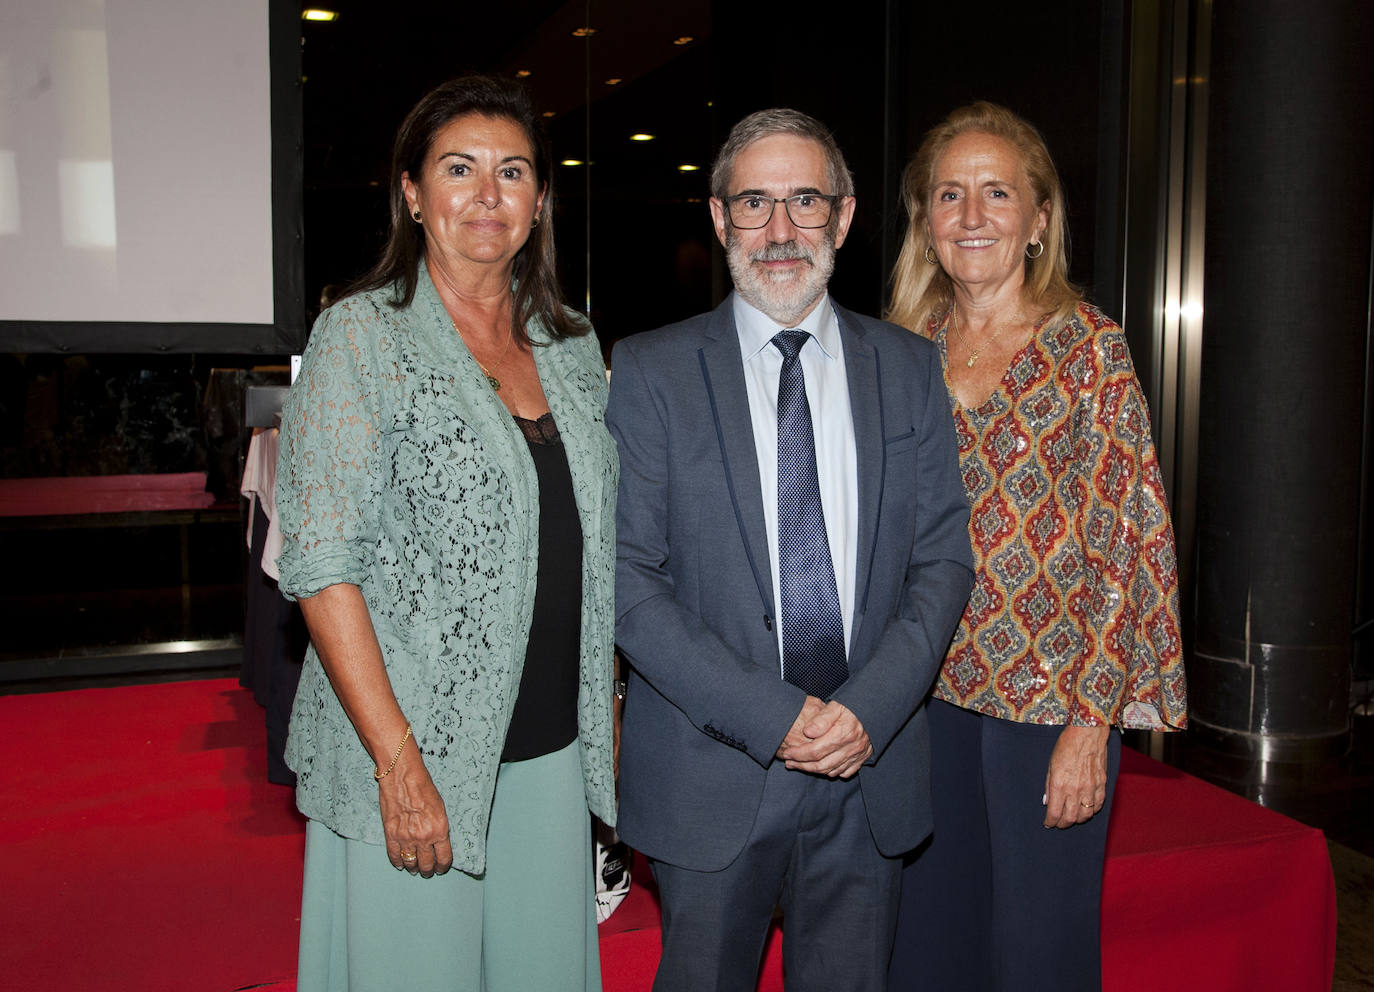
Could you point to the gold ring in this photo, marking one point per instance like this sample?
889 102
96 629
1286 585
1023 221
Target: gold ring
407 857
1088 805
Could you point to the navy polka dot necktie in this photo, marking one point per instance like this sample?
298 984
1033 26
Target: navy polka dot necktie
813 655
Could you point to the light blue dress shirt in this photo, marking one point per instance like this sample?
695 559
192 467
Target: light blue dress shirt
827 394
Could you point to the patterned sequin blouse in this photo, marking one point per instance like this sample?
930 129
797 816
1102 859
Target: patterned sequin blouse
401 472
1073 618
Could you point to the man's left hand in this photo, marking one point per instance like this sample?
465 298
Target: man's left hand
836 744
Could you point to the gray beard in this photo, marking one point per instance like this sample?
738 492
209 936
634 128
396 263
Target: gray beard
786 299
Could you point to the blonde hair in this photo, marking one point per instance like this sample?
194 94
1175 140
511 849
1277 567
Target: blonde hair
921 290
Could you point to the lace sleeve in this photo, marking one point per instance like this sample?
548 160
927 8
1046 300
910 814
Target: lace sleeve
328 471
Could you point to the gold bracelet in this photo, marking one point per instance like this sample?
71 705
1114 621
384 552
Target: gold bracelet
377 772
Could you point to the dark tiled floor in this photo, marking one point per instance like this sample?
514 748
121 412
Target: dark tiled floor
1355 913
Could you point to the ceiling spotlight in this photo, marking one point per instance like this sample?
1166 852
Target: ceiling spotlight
572 161
614 81
685 39
688 167
583 32
641 137
521 73
550 113
315 14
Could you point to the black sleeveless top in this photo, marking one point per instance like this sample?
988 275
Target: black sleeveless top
545 716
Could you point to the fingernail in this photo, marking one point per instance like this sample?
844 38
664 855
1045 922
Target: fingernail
1045 799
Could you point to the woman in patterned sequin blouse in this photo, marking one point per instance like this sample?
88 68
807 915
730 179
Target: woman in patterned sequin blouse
446 489
1072 627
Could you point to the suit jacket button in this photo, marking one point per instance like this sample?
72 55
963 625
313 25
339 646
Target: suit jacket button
768 621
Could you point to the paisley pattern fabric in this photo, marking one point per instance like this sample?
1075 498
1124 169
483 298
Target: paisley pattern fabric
401 472
1073 618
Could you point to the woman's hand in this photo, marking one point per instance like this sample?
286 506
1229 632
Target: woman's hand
414 818
1076 783
413 814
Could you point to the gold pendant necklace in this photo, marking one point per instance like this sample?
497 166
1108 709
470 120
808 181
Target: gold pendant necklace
973 353
492 381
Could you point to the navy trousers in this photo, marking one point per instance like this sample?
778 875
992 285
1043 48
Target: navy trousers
811 853
994 900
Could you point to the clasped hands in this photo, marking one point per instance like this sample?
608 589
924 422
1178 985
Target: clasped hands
825 739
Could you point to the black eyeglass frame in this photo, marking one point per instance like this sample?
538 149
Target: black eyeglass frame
786 201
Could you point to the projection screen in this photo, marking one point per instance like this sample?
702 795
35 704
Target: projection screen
150 178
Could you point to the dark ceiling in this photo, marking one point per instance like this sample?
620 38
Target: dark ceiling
363 71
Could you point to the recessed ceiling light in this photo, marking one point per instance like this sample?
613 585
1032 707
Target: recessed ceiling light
316 14
614 81
521 73
583 32
685 39
550 113
642 137
688 167
572 161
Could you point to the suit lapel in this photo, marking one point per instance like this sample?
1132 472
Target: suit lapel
865 404
722 368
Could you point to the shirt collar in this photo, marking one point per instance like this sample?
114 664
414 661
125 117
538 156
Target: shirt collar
756 329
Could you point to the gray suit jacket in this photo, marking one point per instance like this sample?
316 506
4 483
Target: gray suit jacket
707 707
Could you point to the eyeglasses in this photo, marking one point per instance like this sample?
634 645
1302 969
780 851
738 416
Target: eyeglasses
750 211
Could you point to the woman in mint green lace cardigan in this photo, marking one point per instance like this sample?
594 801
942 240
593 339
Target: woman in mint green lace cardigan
410 489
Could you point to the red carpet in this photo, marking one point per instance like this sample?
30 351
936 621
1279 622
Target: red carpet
143 849
1206 890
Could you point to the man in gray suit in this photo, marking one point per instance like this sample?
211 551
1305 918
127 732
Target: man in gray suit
793 557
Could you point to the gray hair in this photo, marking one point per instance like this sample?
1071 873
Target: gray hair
780 120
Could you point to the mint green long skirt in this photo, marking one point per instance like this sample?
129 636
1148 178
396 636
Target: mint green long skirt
527 925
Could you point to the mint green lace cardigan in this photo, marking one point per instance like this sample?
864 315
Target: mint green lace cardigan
401 472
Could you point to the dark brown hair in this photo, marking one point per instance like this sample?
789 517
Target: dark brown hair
535 271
